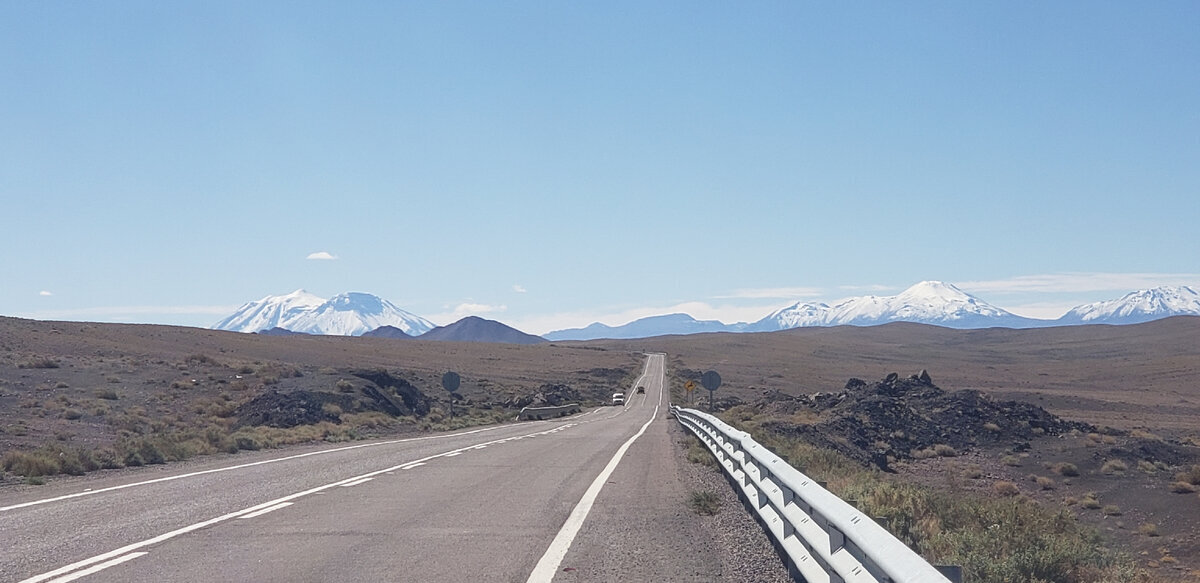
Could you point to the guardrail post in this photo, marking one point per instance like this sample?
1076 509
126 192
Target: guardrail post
952 572
837 540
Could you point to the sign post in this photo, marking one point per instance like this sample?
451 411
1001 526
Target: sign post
711 380
450 382
690 388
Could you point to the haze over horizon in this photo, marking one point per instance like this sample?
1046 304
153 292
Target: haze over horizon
550 166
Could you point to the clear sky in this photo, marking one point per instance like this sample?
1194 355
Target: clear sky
550 164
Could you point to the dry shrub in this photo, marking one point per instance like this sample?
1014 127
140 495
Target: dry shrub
1045 483
943 450
1066 469
1111 467
1006 489
1191 476
1182 488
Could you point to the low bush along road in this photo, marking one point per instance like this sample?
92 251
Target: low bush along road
588 497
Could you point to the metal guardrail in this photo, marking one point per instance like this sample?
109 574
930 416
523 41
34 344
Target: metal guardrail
538 413
825 538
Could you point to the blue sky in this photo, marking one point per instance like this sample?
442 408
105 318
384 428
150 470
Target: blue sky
554 164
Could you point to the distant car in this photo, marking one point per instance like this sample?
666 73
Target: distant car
618 398
641 390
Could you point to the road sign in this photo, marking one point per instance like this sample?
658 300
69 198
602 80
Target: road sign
450 381
711 380
689 386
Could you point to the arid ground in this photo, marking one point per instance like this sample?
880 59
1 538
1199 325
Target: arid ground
82 385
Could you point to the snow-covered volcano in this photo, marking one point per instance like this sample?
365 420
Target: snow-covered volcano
348 314
928 302
1138 306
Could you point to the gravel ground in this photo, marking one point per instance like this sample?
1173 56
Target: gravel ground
746 553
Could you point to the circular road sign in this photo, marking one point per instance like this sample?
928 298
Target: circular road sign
711 380
450 381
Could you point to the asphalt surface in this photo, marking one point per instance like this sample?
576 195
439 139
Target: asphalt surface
492 504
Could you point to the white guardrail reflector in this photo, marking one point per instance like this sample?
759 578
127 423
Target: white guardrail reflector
825 538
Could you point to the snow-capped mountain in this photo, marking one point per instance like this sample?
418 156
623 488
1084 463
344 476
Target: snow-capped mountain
928 302
348 314
1136 307
645 328
270 312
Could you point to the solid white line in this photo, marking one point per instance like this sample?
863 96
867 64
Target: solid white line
547 566
89 491
98 568
279 506
357 482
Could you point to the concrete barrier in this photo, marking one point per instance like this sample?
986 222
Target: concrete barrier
539 413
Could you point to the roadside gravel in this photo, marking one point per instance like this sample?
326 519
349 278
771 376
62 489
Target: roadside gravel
745 552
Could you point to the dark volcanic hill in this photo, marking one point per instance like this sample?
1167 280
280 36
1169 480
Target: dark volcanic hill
476 329
386 332
277 331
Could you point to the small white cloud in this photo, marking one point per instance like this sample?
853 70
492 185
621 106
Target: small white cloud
45 293
322 255
519 288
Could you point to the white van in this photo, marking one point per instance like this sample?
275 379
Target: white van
618 398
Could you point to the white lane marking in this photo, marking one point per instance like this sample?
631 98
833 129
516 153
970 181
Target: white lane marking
453 454
357 482
411 466
98 568
548 565
224 517
279 506
89 491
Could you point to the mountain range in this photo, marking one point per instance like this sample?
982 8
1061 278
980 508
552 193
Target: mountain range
928 302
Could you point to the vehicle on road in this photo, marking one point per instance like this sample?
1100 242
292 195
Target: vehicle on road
618 398
641 390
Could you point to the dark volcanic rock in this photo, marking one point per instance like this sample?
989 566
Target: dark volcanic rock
412 401
548 395
898 416
276 409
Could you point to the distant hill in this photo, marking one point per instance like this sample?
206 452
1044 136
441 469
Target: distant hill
386 332
645 328
277 331
476 329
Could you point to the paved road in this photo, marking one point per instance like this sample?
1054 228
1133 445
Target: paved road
593 497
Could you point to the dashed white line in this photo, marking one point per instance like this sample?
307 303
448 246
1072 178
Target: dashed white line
98 568
257 510
270 509
90 491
